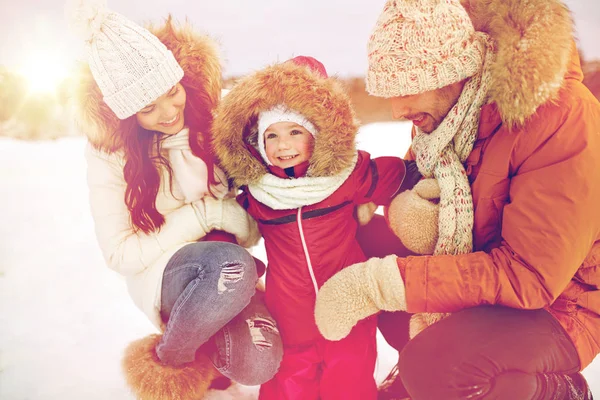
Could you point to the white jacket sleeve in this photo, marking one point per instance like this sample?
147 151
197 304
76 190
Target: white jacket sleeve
125 250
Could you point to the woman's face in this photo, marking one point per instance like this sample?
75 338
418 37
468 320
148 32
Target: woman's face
164 114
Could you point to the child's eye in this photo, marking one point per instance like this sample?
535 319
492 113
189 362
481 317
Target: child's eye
296 132
174 91
271 136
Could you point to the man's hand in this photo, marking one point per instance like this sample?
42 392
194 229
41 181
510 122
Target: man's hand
357 292
413 216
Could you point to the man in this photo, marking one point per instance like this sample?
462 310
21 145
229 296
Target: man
503 122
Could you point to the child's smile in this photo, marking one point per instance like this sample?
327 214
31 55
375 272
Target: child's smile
288 144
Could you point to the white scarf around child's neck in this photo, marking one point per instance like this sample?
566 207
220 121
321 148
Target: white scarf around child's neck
290 193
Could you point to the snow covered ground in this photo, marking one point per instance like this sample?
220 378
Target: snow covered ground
64 317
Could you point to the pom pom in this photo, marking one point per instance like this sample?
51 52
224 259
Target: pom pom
85 17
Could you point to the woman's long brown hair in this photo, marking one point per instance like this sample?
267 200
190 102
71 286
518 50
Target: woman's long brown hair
143 158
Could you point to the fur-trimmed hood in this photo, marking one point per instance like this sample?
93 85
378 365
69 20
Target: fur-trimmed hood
321 100
196 54
534 44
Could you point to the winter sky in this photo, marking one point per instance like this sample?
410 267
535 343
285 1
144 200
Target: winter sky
252 33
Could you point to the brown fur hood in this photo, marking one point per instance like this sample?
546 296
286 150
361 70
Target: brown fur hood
534 43
322 101
198 57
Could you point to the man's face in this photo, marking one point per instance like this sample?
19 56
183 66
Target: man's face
427 110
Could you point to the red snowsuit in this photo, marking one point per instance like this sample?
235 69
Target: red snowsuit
305 247
307 243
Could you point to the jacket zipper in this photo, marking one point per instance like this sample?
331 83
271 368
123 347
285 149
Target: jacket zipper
306 255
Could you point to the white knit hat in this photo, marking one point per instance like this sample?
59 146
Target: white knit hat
421 45
130 65
279 113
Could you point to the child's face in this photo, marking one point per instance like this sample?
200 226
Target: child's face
288 144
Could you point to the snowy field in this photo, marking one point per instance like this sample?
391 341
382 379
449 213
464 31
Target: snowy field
65 318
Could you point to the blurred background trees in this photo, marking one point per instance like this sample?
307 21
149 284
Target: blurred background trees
29 114
34 115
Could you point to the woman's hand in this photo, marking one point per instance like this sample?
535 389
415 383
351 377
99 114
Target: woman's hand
227 215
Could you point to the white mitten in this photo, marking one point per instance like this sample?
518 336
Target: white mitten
238 222
357 292
209 212
228 216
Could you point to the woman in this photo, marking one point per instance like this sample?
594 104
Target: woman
145 101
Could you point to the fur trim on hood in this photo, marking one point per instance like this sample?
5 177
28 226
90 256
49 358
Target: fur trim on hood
196 54
533 40
322 101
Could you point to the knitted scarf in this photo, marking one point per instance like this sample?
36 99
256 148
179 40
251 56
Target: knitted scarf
286 194
441 154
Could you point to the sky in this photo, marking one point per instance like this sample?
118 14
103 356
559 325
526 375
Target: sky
65 317
252 34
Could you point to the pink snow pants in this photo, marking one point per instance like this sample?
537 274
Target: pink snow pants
328 370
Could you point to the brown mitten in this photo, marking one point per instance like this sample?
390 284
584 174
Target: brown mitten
413 216
150 379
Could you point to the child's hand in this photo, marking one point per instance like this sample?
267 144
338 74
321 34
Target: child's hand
227 215
365 212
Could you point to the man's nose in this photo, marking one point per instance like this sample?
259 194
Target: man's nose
399 112
400 107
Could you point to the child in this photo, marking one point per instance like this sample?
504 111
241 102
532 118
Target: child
287 135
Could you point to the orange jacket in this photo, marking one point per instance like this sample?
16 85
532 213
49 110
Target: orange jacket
536 193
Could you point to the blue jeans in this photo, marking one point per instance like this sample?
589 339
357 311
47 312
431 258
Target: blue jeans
208 295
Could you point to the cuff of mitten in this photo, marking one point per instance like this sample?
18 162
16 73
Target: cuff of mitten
253 236
209 212
391 294
214 213
414 273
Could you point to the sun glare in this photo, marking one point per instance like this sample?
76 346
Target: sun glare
44 72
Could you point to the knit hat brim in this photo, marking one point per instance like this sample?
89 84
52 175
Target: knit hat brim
276 114
388 77
146 89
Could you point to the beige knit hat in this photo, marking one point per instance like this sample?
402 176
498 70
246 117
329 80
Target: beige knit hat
130 65
421 45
